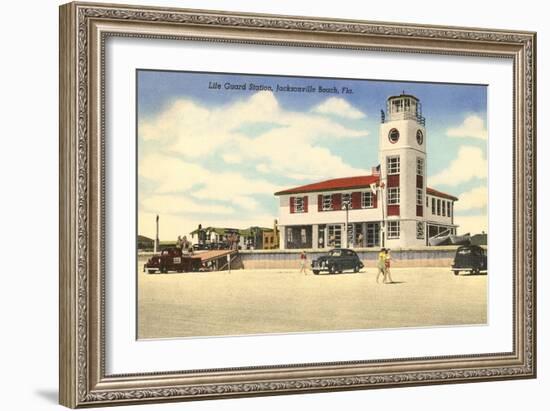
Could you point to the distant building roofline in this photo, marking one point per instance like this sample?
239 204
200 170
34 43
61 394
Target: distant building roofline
441 194
403 95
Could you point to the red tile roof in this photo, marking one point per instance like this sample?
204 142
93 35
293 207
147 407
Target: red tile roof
348 183
334 184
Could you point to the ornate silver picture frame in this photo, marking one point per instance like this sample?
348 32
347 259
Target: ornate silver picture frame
85 28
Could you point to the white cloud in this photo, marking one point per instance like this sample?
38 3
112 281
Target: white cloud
290 147
187 135
171 175
170 225
186 194
473 224
473 126
339 107
469 164
232 158
245 202
262 168
297 159
474 199
178 204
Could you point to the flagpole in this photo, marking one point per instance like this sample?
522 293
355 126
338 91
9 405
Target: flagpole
379 191
383 214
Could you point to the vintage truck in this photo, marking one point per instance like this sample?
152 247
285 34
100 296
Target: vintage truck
470 258
172 259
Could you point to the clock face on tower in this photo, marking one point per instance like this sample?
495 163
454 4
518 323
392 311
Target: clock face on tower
419 137
393 135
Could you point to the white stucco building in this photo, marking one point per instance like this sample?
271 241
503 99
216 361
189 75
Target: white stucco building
392 207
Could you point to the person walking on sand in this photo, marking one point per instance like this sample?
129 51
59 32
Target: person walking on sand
387 260
303 262
381 265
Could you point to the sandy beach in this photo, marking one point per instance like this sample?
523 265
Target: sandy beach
282 301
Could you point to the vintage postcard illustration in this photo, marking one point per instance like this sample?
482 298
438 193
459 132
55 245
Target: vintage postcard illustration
279 204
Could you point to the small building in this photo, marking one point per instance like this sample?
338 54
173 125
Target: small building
217 235
270 240
249 238
392 207
271 237
252 238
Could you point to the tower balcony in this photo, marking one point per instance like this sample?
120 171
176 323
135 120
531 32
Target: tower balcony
403 115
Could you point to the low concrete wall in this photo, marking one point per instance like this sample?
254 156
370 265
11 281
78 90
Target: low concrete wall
406 257
441 256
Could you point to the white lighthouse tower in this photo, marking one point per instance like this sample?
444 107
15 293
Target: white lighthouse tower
402 156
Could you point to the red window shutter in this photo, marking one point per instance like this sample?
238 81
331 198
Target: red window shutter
305 203
356 200
393 209
292 205
336 201
419 181
393 180
320 202
375 200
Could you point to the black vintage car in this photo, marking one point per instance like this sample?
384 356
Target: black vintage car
336 261
471 258
172 259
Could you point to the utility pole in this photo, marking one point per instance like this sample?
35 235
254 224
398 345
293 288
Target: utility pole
346 205
157 241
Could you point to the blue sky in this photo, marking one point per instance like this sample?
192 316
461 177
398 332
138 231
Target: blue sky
260 141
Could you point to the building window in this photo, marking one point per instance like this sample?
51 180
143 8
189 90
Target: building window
443 208
321 237
433 205
393 135
303 235
393 195
289 237
419 196
450 209
327 202
420 230
299 205
419 166
393 165
335 235
427 201
367 200
346 199
393 229
438 206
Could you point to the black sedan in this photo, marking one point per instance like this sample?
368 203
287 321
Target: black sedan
336 261
470 258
